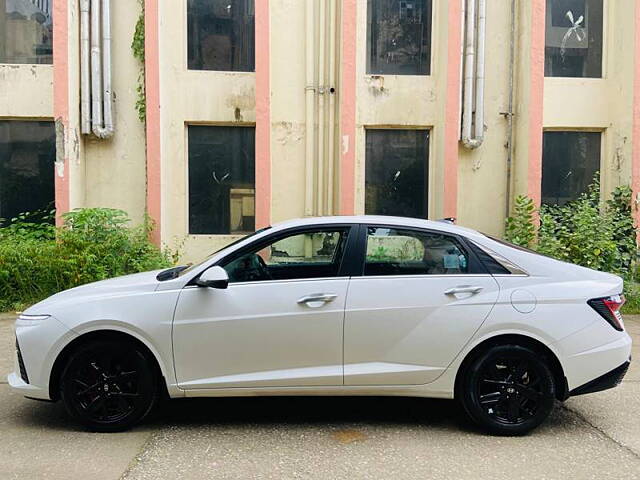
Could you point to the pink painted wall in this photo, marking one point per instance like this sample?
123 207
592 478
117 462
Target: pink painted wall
263 115
635 160
348 109
536 99
152 88
61 98
452 110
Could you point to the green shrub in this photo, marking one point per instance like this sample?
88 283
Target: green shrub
587 232
520 228
93 244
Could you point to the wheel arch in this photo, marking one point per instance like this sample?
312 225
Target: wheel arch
562 389
101 334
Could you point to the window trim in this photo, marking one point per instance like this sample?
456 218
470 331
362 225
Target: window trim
344 270
603 172
435 5
430 170
604 57
185 49
479 267
187 124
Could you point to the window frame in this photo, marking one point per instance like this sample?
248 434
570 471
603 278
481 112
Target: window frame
430 169
185 48
186 170
603 172
432 47
346 268
475 264
604 55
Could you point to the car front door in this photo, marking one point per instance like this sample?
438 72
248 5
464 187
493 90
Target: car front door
278 324
420 299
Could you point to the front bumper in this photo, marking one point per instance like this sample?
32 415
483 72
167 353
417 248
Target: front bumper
39 343
608 380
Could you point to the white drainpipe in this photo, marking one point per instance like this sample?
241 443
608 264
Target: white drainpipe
474 75
310 90
85 62
101 104
321 58
333 20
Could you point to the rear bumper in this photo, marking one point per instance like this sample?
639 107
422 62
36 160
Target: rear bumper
608 380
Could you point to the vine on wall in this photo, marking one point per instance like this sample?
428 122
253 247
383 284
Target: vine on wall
137 47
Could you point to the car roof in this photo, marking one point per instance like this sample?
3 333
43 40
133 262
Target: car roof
380 220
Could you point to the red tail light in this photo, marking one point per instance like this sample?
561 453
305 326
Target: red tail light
609 309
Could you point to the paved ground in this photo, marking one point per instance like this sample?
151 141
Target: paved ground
590 437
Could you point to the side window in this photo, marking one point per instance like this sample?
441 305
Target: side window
316 254
393 251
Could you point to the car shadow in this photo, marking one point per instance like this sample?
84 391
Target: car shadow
265 411
310 411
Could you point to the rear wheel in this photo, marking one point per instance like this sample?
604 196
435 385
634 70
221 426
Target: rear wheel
508 389
109 385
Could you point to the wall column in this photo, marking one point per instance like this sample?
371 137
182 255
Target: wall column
61 104
263 115
452 109
635 156
347 110
152 91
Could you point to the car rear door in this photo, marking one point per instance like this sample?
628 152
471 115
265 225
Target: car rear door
422 296
278 324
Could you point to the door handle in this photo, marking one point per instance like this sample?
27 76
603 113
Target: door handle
317 298
464 289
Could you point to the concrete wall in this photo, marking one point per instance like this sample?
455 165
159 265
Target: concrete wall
471 185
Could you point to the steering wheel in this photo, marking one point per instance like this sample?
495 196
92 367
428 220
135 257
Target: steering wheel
264 269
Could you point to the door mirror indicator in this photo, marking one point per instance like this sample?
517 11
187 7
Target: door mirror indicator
214 277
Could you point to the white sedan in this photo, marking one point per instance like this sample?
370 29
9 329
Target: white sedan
333 306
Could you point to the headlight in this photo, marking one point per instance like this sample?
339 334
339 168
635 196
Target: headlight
32 318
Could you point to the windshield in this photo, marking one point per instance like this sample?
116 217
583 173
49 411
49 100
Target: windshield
186 269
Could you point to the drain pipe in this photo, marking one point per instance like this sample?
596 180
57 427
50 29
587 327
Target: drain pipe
309 91
333 20
509 113
85 62
320 166
474 75
101 105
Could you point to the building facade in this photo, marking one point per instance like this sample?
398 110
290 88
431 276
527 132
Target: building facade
258 111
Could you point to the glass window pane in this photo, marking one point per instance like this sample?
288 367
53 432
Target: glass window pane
26 31
399 37
27 156
570 160
221 35
305 255
221 180
393 251
396 172
573 38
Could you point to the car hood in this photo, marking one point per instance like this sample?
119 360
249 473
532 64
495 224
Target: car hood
135 283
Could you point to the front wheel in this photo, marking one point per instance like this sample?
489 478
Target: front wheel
109 386
507 389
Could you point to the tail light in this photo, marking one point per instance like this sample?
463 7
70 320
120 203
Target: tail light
609 309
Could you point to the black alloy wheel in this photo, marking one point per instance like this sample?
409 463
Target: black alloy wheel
109 385
508 389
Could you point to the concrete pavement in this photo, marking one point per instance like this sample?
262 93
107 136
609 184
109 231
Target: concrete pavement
594 436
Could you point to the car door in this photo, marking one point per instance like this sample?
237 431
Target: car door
278 324
421 297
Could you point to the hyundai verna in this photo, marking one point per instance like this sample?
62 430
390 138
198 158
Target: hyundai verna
333 306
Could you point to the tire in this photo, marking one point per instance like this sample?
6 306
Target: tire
507 389
109 385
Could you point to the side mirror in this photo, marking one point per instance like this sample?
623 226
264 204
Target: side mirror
214 277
